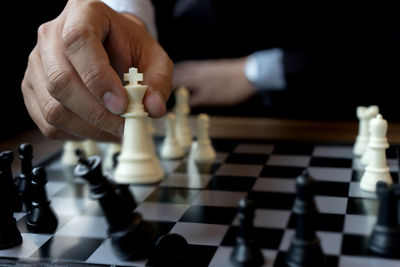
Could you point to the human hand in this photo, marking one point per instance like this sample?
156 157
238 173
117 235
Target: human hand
214 82
72 87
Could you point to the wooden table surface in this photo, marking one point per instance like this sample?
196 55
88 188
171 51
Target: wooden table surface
228 127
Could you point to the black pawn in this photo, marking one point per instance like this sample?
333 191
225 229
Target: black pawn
246 253
9 233
6 159
25 152
385 236
305 248
131 237
40 217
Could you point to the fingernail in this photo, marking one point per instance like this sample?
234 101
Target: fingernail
113 102
121 130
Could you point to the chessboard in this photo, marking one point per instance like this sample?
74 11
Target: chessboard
199 202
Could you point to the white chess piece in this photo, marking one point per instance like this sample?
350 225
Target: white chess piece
90 147
136 162
171 149
377 169
203 150
182 110
364 114
68 157
371 113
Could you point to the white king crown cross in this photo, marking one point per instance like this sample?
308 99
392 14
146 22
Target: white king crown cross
133 77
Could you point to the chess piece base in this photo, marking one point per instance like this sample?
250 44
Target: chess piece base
384 241
132 170
9 235
372 176
305 253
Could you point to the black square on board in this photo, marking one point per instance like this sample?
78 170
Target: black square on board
209 214
362 206
242 158
330 261
68 248
272 200
196 256
323 222
333 189
173 195
267 238
231 183
281 171
224 145
331 162
293 149
203 168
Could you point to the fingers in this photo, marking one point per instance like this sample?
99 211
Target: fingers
54 119
82 36
65 85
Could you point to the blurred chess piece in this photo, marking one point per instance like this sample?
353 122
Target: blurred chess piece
171 148
182 111
68 156
364 115
377 169
203 151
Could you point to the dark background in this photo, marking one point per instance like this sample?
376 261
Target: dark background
336 57
19 21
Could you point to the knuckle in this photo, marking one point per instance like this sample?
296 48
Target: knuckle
74 37
98 117
43 30
93 76
53 113
58 81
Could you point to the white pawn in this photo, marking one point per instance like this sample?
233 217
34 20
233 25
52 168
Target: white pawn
377 169
364 115
203 150
171 149
182 111
90 147
69 158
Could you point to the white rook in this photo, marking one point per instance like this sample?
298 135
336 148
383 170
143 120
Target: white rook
377 169
136 164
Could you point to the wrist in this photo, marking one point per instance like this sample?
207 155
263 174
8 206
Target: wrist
264 69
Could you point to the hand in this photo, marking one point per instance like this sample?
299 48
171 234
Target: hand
214 82
72 87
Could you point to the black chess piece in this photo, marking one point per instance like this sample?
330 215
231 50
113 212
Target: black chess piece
385 236
305 248
6 159
131 236
246 252
41 217
25 152
9 233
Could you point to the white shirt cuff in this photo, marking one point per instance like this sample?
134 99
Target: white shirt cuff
143 9
265 71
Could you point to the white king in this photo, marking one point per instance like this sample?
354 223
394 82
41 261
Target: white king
136 164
